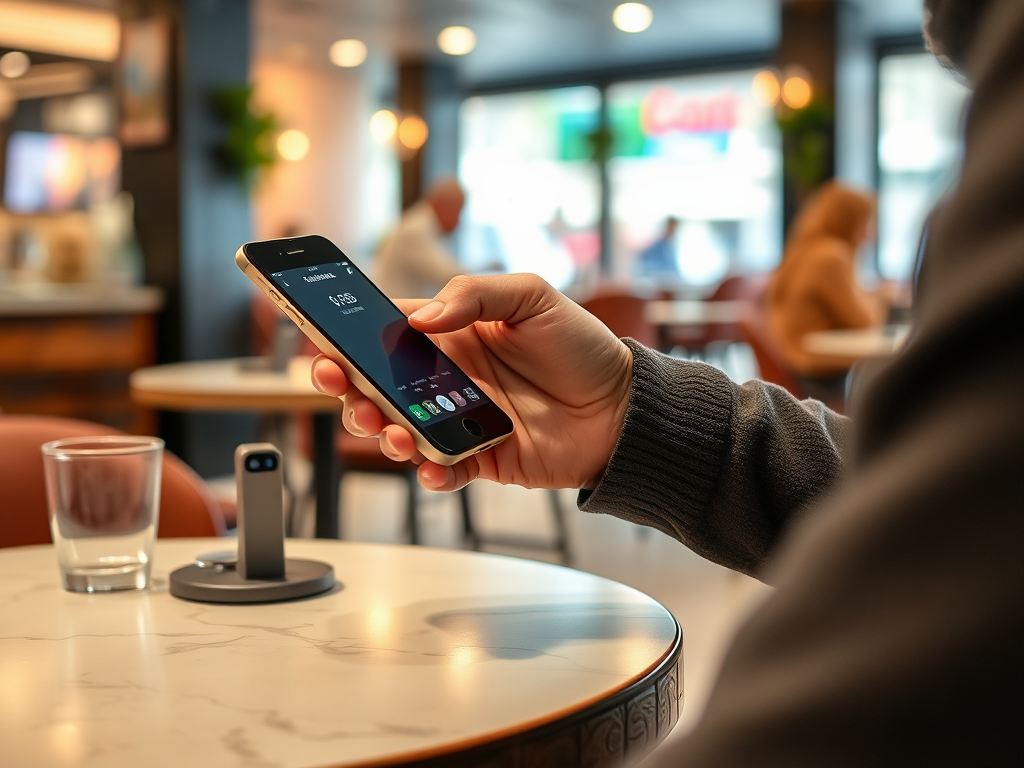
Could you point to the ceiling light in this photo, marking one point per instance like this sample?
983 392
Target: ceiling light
383 125
67 30
796 92
632 17
456 41
348 53
766 88
293 145
14 64
412 132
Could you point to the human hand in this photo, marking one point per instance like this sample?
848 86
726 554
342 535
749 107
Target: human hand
556 370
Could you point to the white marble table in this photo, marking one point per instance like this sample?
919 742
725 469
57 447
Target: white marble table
427 657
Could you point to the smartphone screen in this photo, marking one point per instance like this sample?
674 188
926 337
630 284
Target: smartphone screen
405 364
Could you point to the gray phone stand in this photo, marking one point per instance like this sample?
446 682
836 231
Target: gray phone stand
259 573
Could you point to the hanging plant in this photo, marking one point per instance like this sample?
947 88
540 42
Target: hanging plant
248 147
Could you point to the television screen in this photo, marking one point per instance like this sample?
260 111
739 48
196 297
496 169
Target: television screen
49 172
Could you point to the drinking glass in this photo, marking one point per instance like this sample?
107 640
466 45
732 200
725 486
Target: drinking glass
103 496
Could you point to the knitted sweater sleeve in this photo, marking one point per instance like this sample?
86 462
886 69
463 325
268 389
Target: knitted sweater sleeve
723 468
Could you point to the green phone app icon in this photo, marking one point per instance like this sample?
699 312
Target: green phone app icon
419 413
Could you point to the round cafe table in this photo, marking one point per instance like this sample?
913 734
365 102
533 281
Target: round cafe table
239 385
422 657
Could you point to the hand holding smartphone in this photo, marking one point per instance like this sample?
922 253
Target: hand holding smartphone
397 367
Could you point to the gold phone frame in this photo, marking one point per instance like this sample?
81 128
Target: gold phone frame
361 383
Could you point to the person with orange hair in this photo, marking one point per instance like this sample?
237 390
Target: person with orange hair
815 287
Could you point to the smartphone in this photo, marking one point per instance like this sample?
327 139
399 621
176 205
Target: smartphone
397 367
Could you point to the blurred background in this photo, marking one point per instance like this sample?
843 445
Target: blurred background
648 153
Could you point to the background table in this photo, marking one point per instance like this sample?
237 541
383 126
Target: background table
694 315
425 656
857 344
232 385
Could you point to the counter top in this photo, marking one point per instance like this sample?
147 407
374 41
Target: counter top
48 299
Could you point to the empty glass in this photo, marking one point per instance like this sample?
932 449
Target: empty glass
103 495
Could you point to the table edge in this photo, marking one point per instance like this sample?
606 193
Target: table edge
547 738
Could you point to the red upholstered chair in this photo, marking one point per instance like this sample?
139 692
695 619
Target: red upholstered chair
186 506
770 361
623 313
749 289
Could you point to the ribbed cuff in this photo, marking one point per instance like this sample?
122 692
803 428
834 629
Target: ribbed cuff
673 441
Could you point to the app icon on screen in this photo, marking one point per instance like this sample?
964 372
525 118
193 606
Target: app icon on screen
434 410
419 413
470 393
459 399
445 403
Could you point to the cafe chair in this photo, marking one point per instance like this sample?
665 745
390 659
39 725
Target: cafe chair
704 339
771 364
623 313
186 506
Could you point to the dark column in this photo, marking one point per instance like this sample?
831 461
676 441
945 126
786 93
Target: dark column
808 39
411 101
191 214
432 91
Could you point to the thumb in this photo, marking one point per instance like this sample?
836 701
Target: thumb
465 300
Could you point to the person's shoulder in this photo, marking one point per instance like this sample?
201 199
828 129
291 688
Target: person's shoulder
827 254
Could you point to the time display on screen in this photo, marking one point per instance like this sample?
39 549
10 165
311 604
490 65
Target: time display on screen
341 299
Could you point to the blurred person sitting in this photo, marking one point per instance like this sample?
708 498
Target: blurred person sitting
414 262
659 258
815 288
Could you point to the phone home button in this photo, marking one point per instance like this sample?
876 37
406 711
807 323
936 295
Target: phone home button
473 428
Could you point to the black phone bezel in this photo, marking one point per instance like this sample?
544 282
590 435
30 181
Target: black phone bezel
449 436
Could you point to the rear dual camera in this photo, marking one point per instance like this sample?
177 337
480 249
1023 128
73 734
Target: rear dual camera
261 462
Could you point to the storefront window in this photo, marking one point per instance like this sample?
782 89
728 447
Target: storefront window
533 188
920 116
695 177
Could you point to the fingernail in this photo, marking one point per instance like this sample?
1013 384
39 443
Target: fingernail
428 312
389 450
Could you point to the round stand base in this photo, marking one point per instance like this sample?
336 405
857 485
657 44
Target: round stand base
226 585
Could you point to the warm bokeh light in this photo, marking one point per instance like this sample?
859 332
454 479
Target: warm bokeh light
383 125
632 17
348 53
14 64
456 41
796 92
293 145
766 88
84 33
412 132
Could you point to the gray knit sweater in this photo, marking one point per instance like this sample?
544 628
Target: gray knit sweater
895 635
723 468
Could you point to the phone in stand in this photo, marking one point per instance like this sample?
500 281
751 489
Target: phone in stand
397 367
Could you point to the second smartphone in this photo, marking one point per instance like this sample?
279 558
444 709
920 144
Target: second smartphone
397 367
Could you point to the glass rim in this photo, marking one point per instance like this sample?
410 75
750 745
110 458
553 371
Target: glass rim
118 445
